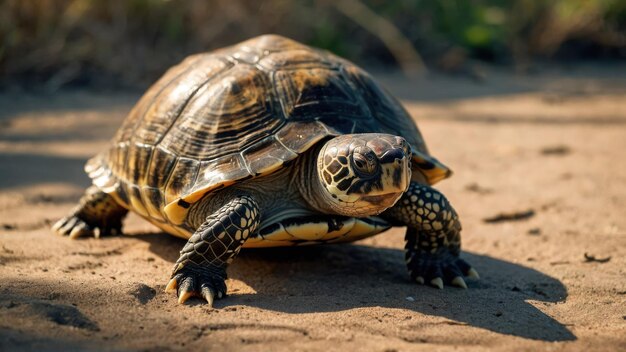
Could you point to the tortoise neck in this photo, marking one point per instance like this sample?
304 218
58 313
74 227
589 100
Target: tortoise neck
308 181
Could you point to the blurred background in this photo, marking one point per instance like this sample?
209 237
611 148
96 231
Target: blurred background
53 44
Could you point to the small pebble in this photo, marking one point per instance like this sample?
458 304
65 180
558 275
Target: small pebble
410 299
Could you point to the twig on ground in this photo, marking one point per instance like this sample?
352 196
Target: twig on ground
515 216
591 258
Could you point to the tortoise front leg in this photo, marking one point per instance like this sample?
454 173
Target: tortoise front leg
201 269
433 237
97 213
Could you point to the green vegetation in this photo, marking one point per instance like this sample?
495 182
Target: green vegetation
61 42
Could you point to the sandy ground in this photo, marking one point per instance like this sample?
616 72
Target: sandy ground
550 145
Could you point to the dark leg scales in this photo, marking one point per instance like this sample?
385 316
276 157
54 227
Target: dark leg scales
97 214
433 237
201 269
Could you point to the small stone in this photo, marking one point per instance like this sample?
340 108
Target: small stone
410 299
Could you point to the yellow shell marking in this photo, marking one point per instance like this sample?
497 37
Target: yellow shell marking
351 229
309 232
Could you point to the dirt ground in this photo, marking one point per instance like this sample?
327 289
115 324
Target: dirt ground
549 147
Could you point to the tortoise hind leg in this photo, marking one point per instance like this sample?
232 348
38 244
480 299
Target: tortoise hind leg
97 213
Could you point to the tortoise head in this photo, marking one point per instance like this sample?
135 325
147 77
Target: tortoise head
364 174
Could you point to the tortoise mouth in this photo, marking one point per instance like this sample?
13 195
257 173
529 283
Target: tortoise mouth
384 200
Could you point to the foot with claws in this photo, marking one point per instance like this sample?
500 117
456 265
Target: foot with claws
201 269
433 237
195 280
437 268
97 214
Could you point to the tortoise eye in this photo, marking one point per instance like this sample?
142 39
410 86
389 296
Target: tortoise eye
364 164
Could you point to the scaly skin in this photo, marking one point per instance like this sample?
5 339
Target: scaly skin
97 214
201 269
433 237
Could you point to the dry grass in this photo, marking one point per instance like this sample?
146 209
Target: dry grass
62 42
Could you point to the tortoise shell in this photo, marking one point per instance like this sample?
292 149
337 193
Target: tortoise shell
241 112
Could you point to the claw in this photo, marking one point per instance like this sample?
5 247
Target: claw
208 294
437 282
184 295
96 232
458 281
79 230
471 273
57 225
68 226
419 280
171 286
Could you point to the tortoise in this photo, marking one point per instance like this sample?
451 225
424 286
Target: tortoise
270 143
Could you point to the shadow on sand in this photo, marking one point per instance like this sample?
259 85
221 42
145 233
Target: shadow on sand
22 170
292 280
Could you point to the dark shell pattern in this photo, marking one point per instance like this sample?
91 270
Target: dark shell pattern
242 112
